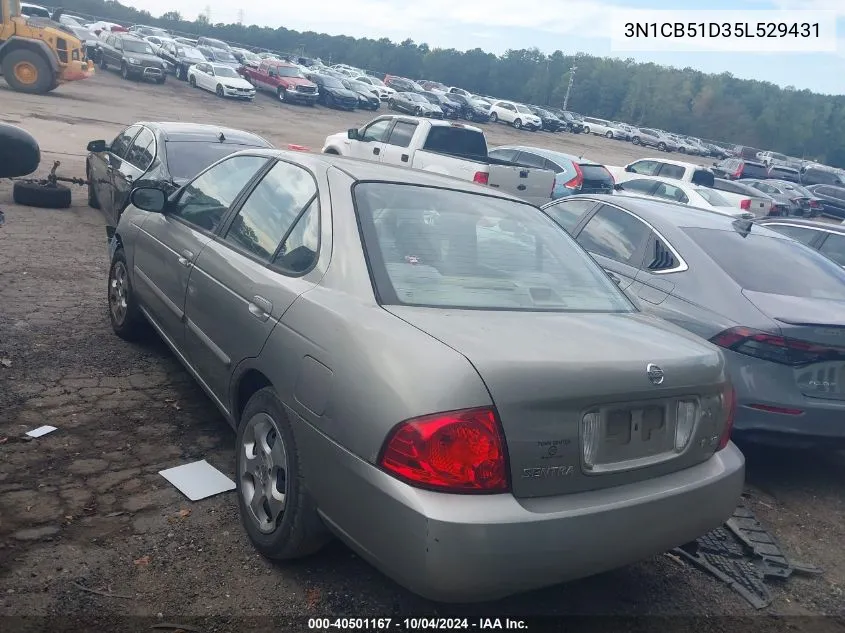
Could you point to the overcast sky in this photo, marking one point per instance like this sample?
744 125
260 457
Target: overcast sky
497 25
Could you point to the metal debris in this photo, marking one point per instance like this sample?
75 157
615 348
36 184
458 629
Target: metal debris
742 554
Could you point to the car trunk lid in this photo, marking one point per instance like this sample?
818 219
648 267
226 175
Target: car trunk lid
546 371
815 332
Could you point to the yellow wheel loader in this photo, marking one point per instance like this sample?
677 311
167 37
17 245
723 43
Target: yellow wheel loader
37 54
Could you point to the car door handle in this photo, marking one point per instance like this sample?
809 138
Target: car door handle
404 158
186 259
614 278
260 308
376 151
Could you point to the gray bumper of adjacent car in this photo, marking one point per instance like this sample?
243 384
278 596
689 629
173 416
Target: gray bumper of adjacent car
465 548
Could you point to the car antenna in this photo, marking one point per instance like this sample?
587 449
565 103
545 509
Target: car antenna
743 227
221 138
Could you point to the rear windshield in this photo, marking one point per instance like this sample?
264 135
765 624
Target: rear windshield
185 159
713 198
456 141
452 249
596 173
763 262
819 176
784 174
755 170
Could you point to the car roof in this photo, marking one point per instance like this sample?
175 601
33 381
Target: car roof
177 131
681 184
810 224
365 170
669 161
659 212
550 154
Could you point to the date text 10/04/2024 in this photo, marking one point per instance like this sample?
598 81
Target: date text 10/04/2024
416 624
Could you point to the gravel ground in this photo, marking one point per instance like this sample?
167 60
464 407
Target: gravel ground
83 509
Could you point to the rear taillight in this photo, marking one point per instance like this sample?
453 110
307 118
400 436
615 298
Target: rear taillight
815 204
481 177
745 204
776 349
738 172
578 180
729 409
459 451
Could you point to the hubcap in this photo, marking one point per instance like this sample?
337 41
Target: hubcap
26 73
118 291
263 472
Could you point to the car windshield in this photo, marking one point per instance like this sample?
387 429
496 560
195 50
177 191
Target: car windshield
225 71
413 96
331 82
289 71
712 197
185 159
360 86
142 48
748 258
223 56
376 81
452 249
190 53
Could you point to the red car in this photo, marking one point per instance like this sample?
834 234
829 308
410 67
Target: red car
284 80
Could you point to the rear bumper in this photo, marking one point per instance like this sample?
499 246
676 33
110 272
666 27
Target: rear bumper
464 548
759 382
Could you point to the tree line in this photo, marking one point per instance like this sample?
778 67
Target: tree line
719 107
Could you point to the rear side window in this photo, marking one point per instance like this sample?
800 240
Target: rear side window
569 212
799 233
455 141
713 198
640 185
527 159
503 154
747 259
671 171
614 234
402 133
819 176
783 174
834 247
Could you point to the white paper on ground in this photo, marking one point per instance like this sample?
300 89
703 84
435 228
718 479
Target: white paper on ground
41 430
198 480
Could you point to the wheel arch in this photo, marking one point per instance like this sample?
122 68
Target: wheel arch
250 381
39 47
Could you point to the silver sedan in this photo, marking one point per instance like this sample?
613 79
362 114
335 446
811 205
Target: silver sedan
434 373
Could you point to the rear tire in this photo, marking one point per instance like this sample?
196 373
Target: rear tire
661 147
192 81
636 140
280 93
33 194
27 71
517 123
93 202
161 80
124 71
297 530
125 316
609 134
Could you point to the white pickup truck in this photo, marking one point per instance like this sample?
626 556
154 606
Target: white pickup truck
663 168
442 147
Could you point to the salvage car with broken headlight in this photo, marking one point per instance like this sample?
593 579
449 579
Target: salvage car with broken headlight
433 373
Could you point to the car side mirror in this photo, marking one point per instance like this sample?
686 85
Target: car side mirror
97 146
149 199
629 169
353 135
618 187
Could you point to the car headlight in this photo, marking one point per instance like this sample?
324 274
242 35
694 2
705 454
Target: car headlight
132 60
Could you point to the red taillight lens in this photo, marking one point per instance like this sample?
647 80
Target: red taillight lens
459 451
815 204
738 171
745 204
729 407
777 349
481 177
576 182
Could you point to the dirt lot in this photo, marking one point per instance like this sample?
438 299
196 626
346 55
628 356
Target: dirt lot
84 509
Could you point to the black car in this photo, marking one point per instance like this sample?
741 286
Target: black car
133 56
400 84
163 155
367 100
551 122
832 199
827 238
210 42
782 172
333 93
471 110
219 56
811 175
414 103
802 201
571 123
180 57
451 108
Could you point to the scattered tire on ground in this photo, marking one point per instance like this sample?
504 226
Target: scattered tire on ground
33 194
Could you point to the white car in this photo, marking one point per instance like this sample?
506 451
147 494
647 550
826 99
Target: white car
384 92
663 168
602 127
682 192
515 114
221 80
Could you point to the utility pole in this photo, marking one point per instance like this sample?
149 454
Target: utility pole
569 87
208 12
240 16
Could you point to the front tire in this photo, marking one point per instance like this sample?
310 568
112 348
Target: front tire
661 147
517 123
609 135
280 94
124 71
277 510
586 129
636 140
93 201
124 314
219 91
494 118
104 65
192 81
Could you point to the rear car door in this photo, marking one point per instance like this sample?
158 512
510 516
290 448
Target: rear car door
242 284
102 168
616 239
395 150
124 172
168 243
